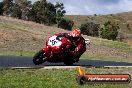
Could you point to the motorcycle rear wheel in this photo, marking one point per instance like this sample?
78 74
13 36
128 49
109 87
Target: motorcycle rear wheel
39 57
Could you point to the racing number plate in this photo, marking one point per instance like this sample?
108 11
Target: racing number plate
54 42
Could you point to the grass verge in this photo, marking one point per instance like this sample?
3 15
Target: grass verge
25 78
17 53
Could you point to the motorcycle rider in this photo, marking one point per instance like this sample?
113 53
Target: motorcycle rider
79 46
62 47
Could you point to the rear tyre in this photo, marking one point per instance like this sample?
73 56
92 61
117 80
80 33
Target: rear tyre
39 57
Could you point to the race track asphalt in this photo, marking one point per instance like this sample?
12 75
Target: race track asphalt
25 61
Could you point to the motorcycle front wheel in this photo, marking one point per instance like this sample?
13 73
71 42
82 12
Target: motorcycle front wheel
39 57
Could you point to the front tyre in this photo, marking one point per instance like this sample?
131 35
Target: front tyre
39 57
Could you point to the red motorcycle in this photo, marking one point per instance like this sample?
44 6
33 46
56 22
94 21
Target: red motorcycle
57 50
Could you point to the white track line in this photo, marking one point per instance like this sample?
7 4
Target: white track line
67 67
47 67
60 67
117 66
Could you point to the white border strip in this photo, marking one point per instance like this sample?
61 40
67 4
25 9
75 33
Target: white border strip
60 67
47 67
67 67
118 66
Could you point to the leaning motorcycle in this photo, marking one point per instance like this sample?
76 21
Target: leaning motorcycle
56 50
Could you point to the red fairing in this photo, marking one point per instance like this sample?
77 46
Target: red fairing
54 46
48 51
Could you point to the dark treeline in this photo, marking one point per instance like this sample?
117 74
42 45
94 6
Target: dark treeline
41 11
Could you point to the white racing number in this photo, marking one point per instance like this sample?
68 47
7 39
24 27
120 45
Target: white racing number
54 42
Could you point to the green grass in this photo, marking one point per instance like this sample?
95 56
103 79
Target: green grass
105 58
118 45
22 78
112 44
17 53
